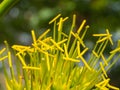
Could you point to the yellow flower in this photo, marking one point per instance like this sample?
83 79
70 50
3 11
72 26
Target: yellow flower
106 36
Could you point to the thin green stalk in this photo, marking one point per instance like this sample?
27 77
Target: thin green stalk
6 5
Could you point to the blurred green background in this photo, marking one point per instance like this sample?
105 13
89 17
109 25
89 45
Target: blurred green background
17 23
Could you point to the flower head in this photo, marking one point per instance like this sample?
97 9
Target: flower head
58 61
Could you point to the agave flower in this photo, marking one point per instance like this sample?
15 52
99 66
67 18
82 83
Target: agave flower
53 62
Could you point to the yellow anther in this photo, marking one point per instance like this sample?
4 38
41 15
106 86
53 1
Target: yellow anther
85 63
95 53
66 53
44 44
64 19
22 60
74 20
54 19
44 34
103 58
19 47
4 57
80 55
102 83
9 59
40 50
64 34
47 39
112 87
54 61
80 40
56 45
99 35
48 62
102 68
109 36
22 50
105 37
60 24
81 26
1 51
32 68
78 49
84 51
102 40
33 36
116 50
71 59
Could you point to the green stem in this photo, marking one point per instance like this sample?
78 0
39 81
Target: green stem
6 5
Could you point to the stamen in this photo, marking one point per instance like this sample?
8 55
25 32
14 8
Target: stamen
102 68
74 20
85 63
66 53
33 36
63 20
95 53
22 60
109 36
99 35
116 50
102 40
103 58
81 26
32 68
56 45
4 57
42 35
112 87
1 51
9 59
71 59
60 24
48 62
84 51
54 19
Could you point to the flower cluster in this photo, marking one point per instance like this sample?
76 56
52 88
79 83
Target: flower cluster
57 61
